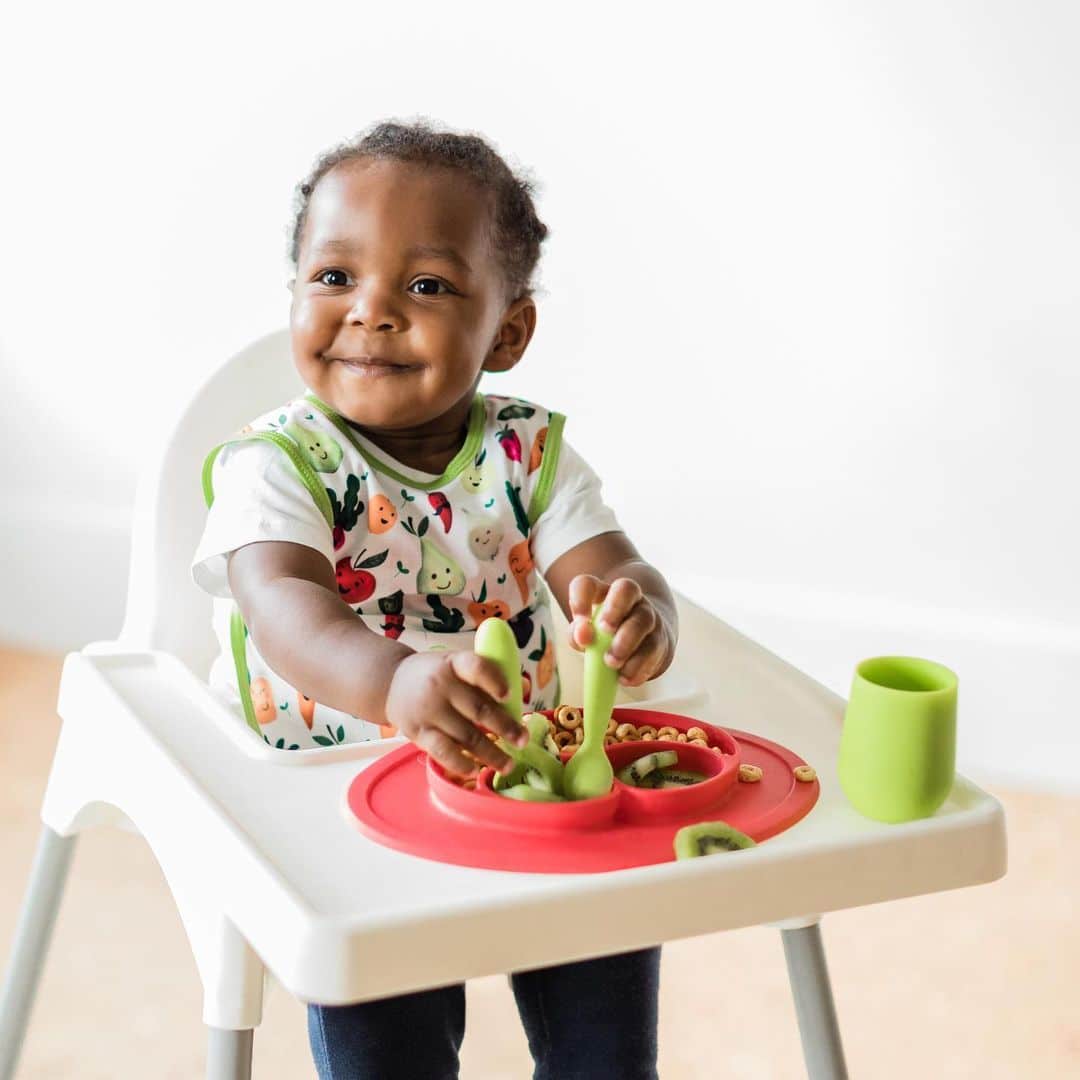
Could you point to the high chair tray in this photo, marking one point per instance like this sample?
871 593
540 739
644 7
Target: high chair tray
340 918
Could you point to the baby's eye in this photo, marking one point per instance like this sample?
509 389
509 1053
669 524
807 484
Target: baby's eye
430 281
340 273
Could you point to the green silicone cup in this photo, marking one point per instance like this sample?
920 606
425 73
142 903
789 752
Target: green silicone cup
898 746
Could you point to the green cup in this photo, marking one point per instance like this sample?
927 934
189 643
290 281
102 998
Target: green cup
898 746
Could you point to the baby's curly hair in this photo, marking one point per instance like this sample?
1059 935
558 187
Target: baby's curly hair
517 233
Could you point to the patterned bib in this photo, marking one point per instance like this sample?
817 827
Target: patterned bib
422 562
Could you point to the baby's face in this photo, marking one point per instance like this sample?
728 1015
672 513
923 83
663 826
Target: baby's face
389 335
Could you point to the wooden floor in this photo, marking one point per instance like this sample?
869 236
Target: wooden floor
983 982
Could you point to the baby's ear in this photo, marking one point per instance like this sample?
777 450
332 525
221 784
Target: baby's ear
515 332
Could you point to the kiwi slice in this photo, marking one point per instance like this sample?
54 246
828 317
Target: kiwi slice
537 780
525 793
515 776
709 838
674 778
537 724
637 770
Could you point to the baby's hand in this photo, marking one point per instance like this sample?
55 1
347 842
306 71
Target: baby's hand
443 701
643 644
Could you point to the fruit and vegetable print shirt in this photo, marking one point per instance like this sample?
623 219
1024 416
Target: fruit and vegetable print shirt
421 559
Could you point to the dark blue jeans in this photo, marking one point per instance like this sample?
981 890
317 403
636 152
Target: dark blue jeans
591 1020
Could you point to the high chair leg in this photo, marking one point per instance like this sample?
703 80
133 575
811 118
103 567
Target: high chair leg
228 1054
32 935
809 977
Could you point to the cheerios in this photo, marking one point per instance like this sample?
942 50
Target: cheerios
750 774
625 732
697 742
681 737
696 733
579 735
612 725
667 732
646 736
568 717
563 738
646 728
805 773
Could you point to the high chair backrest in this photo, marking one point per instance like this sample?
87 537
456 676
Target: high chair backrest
165 609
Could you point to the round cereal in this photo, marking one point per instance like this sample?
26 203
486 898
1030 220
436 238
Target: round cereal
750 774
568 716
625 732
805 773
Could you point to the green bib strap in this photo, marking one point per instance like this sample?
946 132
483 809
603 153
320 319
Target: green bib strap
243 680
285 444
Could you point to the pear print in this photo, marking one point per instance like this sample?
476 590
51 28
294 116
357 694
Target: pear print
476 477
438 572
322 453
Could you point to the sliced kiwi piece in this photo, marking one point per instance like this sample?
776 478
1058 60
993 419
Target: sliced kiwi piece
537 724
525 793
537 780
515 776
675 778
709 838
637 770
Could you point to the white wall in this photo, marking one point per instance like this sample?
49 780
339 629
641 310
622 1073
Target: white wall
821 256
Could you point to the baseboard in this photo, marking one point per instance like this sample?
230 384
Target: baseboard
64 573
1019 680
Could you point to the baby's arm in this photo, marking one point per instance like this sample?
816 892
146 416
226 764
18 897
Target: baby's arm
638 607
288 596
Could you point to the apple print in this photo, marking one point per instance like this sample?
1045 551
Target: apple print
354 582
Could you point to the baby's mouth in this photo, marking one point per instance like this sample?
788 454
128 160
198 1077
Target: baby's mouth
372 365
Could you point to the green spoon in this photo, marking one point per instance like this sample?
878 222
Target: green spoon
589 773
495 641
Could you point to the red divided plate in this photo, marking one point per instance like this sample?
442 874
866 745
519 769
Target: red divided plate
401 801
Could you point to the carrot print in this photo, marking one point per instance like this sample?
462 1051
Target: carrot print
536 454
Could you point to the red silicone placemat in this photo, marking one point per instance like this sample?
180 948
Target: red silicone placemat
391 803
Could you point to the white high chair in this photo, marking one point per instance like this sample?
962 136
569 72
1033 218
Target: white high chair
145 746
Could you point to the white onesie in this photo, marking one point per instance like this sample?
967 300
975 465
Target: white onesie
420 558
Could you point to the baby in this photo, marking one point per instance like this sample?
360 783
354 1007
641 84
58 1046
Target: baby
359 534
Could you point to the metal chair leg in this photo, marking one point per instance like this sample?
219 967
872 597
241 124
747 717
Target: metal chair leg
814 1006
32 935
228 1054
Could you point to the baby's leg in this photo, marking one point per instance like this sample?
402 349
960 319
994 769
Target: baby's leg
594 1019
411 1037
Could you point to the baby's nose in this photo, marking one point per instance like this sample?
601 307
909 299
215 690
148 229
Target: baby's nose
373 309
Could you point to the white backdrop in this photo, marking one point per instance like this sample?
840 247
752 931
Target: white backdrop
821 259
